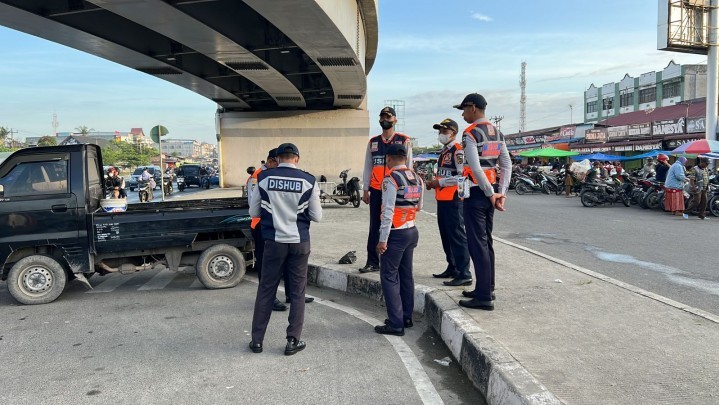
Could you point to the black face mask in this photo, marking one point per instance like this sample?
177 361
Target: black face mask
386 124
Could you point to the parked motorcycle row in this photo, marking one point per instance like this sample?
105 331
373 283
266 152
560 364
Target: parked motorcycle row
628 188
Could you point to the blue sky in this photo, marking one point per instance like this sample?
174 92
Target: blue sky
431 53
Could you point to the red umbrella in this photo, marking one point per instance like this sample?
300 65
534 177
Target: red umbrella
697 148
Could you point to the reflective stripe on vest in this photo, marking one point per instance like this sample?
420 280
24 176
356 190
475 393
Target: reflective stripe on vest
255 220
378 150
447 167
408 195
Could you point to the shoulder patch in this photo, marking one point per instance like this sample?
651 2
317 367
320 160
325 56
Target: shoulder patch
409 174
374 146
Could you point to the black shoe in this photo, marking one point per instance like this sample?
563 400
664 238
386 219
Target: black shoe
368 268
307 300
388 330
470 294
256 347
278 306
294 346
444 274
458 282
477 304
407 323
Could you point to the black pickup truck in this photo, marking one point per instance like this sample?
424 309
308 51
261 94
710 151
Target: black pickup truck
52 228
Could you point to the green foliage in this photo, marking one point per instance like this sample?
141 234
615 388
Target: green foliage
47 140
84 130
4 132
118 153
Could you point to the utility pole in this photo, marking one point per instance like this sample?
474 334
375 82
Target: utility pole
523 98
497 120
571 114
712 79
12 138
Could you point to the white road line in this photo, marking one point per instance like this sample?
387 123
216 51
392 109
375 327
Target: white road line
159 281
668 301
110 284
421 380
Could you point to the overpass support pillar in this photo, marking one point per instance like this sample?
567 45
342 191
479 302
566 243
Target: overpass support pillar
329 141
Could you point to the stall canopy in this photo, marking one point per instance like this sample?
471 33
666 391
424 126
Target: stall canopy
710 155
697 147
547 152
599 156
650 154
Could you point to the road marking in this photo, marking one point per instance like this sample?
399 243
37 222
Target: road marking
668 301
159 281
109 284
422 383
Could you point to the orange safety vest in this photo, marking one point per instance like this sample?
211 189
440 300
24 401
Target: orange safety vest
409 191
489 148
378 150
447 167
255 220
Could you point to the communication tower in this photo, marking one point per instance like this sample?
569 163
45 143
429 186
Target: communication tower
523 98
55 124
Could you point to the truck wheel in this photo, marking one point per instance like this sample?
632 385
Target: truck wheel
220 266
36 279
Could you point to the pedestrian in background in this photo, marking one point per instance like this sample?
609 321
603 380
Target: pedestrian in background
484 148
402 192
287 199
674 187
662 168
374 173
700 185
568 181
449 205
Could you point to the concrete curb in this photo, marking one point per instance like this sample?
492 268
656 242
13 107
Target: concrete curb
490 367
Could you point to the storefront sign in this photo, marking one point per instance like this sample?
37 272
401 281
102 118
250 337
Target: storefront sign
568 132
582 150
555 136
509 141
673 143
668 127
649 146
596 135
624 148
619 132
640 130
528 139
600 149
696 125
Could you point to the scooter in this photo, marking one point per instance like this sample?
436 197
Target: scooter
181 183
167 189
527 184
348 190
598 193
144 191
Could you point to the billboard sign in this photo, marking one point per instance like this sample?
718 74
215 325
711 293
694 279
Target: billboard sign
640 130
596 135
683 26
668 127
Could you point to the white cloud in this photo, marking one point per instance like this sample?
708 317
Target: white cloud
482 17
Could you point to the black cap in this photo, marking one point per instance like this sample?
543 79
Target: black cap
388 110
474 99
396 149
447 123
288 148
272 154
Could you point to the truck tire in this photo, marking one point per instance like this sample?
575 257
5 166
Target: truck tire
36 279
220 266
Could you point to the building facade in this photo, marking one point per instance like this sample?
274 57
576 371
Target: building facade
187 148
674 84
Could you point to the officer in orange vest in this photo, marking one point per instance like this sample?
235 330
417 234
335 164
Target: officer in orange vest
449 205
375 171
484 148
256 229
402 192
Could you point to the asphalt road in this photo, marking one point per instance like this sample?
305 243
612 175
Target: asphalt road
653 250
160 337
133 197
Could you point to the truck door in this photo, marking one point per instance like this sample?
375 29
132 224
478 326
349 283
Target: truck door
37 205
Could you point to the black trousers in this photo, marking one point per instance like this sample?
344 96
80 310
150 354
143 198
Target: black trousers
478 220
279 257
396 275
450 220
259 252
375 210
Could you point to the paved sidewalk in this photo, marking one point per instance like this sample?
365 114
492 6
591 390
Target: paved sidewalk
585 339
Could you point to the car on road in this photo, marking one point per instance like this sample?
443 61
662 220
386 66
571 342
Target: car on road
191 174
58 226
153 170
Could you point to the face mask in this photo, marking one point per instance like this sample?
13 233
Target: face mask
386 124
444 138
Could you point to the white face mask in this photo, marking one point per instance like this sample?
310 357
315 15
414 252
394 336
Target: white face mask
444 138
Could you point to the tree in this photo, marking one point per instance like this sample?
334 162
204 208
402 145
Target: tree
84 130
47 140
4 132
118 153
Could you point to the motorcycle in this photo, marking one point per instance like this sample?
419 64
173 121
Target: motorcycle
598 193
350 190
653 196
167 186
527 184
144 191
181 183
713 200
